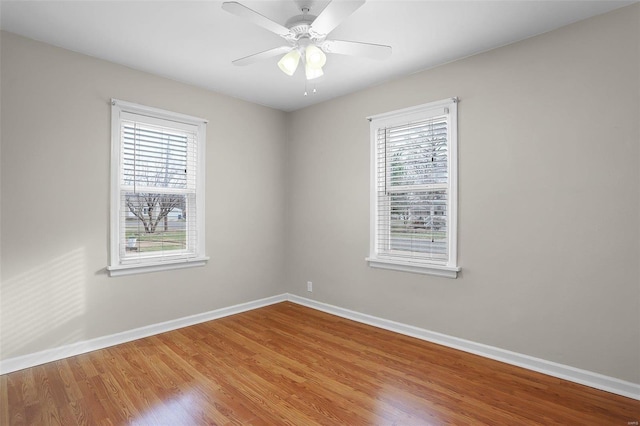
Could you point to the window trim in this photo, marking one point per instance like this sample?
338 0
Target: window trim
118 266
449 268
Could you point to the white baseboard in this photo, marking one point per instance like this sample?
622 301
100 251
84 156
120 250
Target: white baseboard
584 377
572 374
30 360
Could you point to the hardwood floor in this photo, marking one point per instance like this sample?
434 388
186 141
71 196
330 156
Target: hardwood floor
287 364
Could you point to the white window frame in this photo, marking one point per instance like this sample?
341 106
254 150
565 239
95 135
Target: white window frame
118 265
447 268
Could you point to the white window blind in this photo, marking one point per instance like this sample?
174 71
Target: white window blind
157 202
413 199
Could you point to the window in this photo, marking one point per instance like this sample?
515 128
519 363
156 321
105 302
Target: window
157 189
414 189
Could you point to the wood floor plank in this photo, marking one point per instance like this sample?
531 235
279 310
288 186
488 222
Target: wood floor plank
288 364
11 397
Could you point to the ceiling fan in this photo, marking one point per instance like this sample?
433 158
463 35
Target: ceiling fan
306 37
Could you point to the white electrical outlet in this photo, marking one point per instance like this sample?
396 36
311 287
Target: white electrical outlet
309 286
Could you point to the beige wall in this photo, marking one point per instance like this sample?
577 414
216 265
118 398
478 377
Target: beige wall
55 201
549 199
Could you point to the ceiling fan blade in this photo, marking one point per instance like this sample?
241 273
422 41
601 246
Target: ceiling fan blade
262 55
253 16
354 48
334 14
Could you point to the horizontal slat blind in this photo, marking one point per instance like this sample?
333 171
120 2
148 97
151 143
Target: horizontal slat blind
412 190
158 192
157 157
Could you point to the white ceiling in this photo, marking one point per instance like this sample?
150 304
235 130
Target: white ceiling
195 41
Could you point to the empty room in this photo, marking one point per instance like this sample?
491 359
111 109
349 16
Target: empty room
320 212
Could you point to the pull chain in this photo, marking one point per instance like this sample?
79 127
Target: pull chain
306 92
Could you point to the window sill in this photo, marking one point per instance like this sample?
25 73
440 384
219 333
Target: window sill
130 269
416 268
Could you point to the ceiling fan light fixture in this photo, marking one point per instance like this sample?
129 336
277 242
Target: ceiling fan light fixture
289 62
312 72
306 37
315 57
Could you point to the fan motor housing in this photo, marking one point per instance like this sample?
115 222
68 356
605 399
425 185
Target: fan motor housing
300 26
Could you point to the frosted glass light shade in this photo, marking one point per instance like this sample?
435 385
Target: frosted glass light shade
312 72
289 62
315 57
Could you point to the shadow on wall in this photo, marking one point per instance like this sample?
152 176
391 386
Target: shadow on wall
43 307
